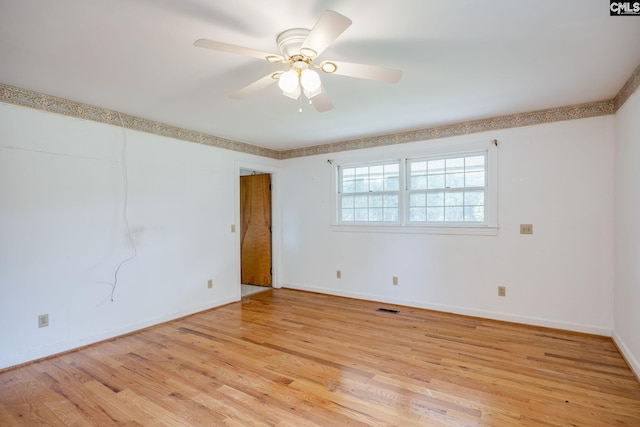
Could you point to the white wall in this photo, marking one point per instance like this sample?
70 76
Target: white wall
627 231
557 176
62 231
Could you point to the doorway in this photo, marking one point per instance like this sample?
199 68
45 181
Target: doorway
255 231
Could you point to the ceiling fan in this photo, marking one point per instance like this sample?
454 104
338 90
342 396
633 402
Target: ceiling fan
299 48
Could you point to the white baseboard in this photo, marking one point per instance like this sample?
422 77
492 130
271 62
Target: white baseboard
629 357
594 330
52 350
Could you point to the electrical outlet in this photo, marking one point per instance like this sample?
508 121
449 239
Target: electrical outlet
338 274
526 228
43 321
233 228
502 291
210 283
395 280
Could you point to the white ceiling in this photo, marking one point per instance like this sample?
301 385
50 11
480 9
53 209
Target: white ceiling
462 60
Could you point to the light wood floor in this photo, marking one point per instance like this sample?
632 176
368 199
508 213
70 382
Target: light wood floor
284 357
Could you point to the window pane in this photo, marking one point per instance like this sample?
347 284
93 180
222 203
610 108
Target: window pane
474 179
453 199
375 201
376 184
390 214
362 172
376 174
375 214
391 183
362 179
347 214
474 214
361 201
435 182
362 185
348 172
361 214
417 214
376 170
418 176
435 199
418 199
472 198
455 165
392 169
474 163
435 214
435 167
453 214
347 202
348 186
391 177
390 201
475 171
455 180
418 182
418 168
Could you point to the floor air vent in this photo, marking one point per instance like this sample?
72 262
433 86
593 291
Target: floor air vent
388 310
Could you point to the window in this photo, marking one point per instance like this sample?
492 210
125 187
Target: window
451 192
447 189
369 193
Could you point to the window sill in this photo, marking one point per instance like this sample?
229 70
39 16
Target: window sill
459 231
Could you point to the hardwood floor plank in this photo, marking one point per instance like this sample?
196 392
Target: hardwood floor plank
6 419
291 358
119 412
27 410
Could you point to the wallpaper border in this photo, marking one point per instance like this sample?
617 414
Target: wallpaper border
592 109
627 89
54 104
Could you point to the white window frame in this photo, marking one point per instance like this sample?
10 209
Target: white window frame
339 193
487 228
446 189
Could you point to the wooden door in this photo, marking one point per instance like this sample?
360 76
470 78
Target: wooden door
255 229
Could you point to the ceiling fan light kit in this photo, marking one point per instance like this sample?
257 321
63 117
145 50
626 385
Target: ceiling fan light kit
299 47
310 80
300 77
288 81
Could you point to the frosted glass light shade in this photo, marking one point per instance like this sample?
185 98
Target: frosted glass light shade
310 80
311 94
288 81
294 94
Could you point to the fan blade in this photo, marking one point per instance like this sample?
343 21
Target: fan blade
371 72
226 47
322 102
254 87
329 26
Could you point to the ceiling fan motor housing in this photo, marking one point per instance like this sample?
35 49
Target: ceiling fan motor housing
290 41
